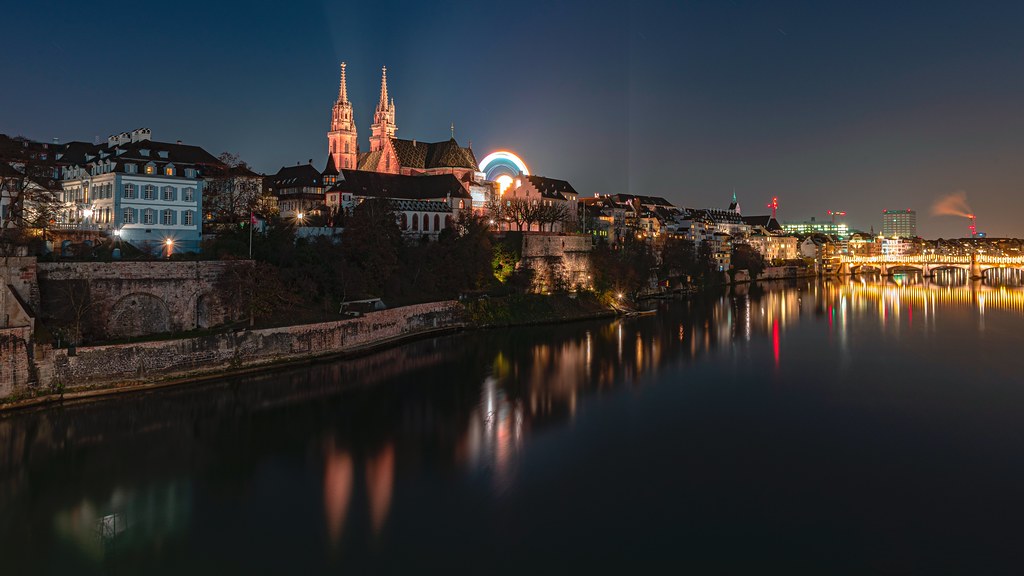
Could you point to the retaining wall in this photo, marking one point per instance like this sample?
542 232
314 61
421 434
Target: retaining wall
15 360
147 361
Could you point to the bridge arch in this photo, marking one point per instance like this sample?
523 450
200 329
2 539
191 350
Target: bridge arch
138 314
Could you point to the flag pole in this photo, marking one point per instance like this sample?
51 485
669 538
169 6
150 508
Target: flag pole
252 219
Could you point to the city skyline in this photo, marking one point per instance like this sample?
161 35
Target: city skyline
857 109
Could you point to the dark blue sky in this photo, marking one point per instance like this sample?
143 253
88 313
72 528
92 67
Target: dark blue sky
854 106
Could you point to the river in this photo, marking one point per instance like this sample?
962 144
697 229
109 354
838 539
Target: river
860 426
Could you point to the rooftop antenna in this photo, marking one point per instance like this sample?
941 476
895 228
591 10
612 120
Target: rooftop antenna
453 130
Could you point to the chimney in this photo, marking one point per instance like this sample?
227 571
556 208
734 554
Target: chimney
414 143
179 141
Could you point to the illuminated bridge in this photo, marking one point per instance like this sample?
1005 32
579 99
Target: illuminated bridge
974 265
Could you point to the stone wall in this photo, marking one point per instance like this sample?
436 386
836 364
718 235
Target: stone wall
20 274
128 299
15 360
98 365
558 261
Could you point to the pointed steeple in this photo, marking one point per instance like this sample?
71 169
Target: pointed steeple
342 138
343 87
383 104
383 127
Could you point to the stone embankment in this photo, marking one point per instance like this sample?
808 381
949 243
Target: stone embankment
142 363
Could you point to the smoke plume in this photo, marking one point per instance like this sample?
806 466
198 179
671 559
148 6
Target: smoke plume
954 204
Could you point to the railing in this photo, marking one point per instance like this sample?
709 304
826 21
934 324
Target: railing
74 226
932 259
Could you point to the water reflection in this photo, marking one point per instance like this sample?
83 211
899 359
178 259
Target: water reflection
377 443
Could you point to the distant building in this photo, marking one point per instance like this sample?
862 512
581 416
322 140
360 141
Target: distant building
299 191
774 247
423 205
899 223
838 229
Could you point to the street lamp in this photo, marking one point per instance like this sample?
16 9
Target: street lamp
300 217
170 247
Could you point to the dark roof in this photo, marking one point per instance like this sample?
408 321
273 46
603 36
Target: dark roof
427 155
767 222
330 169
141 151
644 200
399 187
299 176
552 187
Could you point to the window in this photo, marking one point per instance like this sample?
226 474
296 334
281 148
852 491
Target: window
426 223
186 218
147 216
129 191
462 204
169 193
437 222
415 222
190 172
150 169
127 217
169 171
168 217
404 221
130 168
188 194
148 192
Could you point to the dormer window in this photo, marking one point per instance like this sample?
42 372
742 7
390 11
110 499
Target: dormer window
130 168
162 153
190 172
144 152
169 171
150 169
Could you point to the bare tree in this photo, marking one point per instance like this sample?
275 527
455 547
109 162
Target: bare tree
233 191
30 192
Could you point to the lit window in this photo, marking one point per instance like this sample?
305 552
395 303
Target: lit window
169 171
150 170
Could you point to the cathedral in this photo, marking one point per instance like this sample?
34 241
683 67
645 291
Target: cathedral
387 153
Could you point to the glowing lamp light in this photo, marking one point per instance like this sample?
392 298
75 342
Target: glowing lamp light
87 213
169 242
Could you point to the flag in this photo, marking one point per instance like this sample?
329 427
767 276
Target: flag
252 218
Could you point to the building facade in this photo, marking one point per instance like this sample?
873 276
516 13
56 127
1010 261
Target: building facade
899 223
147 193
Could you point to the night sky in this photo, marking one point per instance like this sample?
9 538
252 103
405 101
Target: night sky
855 106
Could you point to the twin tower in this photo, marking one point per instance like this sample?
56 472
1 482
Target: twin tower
342 137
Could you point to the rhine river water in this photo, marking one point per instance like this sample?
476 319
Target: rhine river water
856 426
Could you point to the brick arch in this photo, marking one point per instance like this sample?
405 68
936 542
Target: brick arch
138 314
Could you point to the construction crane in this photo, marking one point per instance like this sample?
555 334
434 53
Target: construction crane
774 205
973 227
834 213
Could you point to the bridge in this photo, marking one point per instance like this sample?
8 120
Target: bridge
975 265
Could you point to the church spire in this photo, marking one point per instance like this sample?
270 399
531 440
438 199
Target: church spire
342 138
383 127
343 87
383 104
